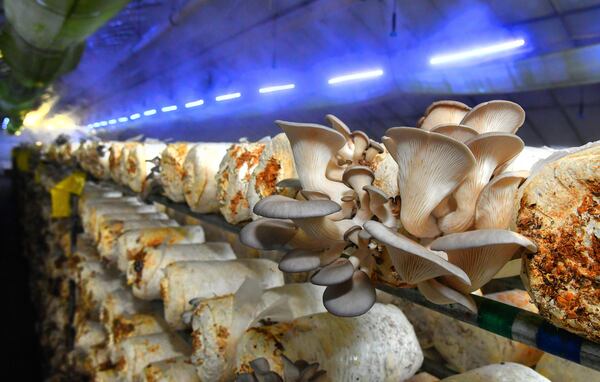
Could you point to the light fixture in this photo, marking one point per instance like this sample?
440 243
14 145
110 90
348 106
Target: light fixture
226 97
123 119
5 123
477 52
356 76
276 88
103 123
167 109
112 121
150 112
196 103
135 116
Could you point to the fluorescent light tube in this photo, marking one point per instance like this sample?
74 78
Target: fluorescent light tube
123 119
196 103
477 52
103 123
112 121
356 76
135 116
150 112
276 88
167 109
226 97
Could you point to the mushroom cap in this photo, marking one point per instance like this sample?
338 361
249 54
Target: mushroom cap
354 229
363 173
494 208
282 207
314 148
445 111
337 272
481 238
414 262
339 126
441 294
290 183
490 150
314 195
376 145
351 298
430 167
300 260
268 234
376 196
480 253
495 116
461 133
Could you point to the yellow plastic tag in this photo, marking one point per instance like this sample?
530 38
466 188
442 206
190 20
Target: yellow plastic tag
61 192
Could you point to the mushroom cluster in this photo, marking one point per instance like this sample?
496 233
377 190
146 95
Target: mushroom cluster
446 229
299 371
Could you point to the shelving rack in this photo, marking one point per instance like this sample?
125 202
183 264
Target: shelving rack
493 316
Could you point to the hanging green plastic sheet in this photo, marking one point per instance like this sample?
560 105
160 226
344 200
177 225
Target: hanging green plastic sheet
59 25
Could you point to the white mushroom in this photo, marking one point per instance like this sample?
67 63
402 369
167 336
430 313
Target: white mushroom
431 166
314 148
490 150
413 262
481 254
495 204
443 112
495 116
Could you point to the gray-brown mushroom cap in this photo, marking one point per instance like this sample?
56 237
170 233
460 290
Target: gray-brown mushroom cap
282 207
300 260
268 234
351 298
337 272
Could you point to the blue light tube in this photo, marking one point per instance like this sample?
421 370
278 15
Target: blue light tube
477 52
358 76
196 103
226 97
276 88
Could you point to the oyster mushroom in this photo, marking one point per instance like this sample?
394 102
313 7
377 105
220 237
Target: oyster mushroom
480 253
350 298
337 272
315 147
495 203
461 133
310 216
495 116
268 234
441 294
373 149
426 161
357 177
445 111
361 143
381 206
347 151
413 262
490 150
